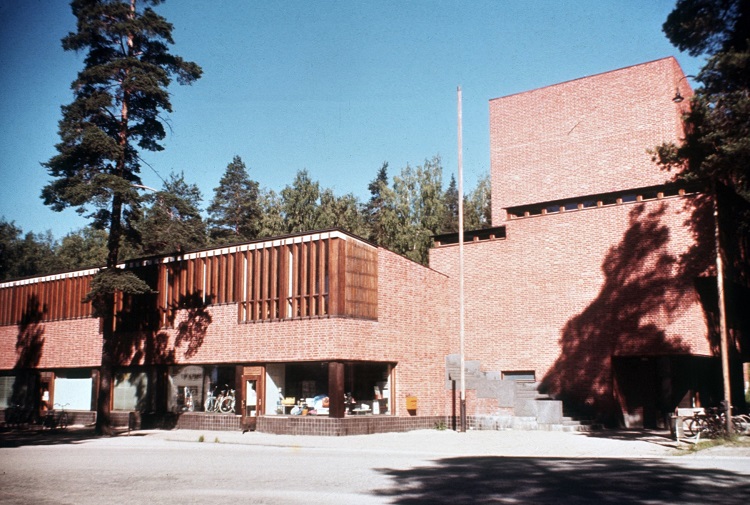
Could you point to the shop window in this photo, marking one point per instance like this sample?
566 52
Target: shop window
130 391
194 388
6 390
366 387
73 389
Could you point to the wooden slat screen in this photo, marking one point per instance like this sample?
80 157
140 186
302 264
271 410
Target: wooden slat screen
53 298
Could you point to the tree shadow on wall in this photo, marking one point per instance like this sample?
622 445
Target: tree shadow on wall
142 338
29 348
561 480
643 285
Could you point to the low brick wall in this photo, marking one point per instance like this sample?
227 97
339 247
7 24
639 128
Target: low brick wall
365 425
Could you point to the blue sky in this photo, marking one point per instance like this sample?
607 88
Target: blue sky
334 87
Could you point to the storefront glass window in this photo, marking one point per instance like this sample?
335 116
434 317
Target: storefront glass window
130 391
194 388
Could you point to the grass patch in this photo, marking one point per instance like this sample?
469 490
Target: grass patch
733 441
201 439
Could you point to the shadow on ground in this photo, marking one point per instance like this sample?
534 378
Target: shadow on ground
657 437
38 436
563 480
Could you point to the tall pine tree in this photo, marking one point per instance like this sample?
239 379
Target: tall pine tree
234 214
119 98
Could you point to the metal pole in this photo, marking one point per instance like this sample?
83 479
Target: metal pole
461 263
723 338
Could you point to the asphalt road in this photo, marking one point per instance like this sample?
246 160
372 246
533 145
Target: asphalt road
419 467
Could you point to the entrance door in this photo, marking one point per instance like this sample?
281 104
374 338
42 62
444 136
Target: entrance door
253 392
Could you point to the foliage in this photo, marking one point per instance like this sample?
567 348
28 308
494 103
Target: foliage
299 203
419 206
173 221
22 255
450 216
235 212
717 142
342 212
271 220
478 205
119 97
109 281
85 248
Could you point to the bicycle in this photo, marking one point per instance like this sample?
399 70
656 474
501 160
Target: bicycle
54 420
713 424
210 405
227 404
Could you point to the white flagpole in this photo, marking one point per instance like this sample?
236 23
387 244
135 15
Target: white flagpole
461 262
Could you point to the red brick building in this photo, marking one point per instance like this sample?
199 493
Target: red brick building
595 284
603 285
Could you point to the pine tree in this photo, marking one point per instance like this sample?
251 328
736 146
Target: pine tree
119 97
173 221
717 144
235 213
300 203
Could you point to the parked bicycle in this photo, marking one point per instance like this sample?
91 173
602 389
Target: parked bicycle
223 402
56 419
713 424
227 403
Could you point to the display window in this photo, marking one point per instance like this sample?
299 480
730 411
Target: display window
130 391
194 388
302 389
73 389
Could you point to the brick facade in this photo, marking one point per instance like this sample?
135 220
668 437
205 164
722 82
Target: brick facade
597 280
605 266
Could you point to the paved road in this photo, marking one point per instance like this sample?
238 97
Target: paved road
408 468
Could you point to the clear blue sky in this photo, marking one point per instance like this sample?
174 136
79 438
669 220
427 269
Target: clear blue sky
334 87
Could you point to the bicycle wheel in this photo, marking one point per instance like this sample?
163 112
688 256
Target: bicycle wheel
695 426
226 405
62 421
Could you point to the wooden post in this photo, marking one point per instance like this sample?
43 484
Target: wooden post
336 407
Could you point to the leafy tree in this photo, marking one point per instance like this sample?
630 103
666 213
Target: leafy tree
271 220
118 100
234 213
341 212
299 203
478 205
9 237
23 255
450 215
717 143
173 221
419 207
376 208
85 248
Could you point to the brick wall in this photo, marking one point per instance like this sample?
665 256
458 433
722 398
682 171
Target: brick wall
563 293
60 344
411 332
583 137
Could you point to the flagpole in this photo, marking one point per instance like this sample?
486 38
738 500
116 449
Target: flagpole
461 264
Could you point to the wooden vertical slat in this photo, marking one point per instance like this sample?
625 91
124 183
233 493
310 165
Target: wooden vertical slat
257 276
303 280
323 250
231 276
313 278
265 283
190 277
282 280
